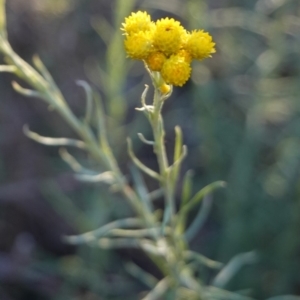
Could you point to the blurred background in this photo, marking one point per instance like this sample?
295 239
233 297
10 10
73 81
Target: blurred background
240 115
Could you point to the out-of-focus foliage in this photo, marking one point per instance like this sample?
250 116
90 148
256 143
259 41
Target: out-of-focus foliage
246 111
241 122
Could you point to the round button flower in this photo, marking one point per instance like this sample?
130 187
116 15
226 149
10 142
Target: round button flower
139 45
176 70
136 22
200 45
164 88
155 60
168 35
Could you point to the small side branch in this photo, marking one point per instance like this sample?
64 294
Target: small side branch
70 160
102 231
52 141
160 289
233 266
145 107
106 177
43 70
144 140
27 92
200 218
75 165
119 243
202 193
140 274
182 156
203 260
9 69
89 99
139 164
135 233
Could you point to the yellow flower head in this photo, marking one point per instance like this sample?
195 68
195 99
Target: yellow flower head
136 22
164 88
168 36
200 45
165 46
176 70
155 60
139 45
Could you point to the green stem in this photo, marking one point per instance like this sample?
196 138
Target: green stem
160 151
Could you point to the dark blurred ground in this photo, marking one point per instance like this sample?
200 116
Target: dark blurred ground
241 121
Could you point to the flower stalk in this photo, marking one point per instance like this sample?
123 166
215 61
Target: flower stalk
156 121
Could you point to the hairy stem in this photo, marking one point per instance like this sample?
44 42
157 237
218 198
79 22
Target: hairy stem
160 151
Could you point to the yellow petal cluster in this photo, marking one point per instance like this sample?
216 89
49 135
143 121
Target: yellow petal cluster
165 46
176 70
167 36
156 60
139 45
136 22
200 45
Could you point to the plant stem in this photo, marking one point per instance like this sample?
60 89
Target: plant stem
160 151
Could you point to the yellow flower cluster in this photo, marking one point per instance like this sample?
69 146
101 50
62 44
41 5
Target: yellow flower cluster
165 46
